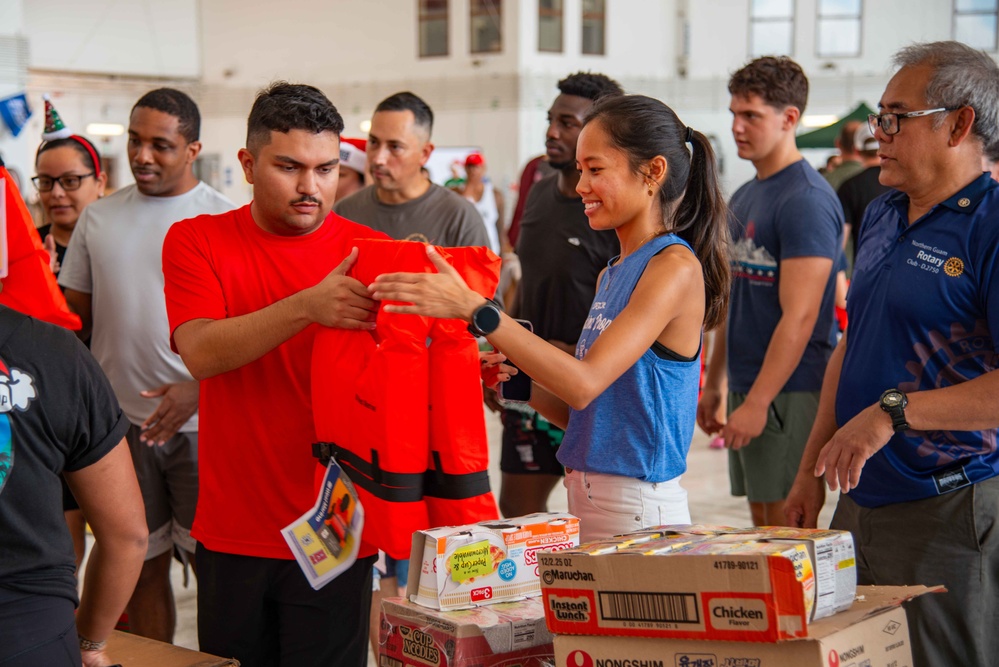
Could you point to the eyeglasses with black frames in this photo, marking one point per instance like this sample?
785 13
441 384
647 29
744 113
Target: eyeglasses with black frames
889 122
68 182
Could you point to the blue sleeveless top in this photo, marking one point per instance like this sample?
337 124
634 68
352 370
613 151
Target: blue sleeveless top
641 425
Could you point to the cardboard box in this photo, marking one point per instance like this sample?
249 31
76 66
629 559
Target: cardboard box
833 559
135 651
873 633
460 567
735 598
700 582
509 633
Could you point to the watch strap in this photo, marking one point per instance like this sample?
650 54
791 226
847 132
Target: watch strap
896 412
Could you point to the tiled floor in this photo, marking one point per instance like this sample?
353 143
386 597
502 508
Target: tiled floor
706 482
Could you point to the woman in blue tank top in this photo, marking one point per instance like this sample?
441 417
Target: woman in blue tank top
628 397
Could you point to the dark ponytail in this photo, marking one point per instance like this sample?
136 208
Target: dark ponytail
701 219
644 128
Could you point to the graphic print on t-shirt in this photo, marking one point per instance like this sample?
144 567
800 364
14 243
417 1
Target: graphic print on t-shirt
943 362
595 322
753 262
17 389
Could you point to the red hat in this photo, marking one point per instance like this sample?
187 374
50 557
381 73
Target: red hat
474 159
353 154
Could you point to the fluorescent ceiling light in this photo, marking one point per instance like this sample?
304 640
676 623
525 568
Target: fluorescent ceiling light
105 129
818 120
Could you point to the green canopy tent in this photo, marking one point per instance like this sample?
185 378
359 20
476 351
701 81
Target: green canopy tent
824 137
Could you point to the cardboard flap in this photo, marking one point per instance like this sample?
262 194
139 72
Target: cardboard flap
521 624
505 626
136 651
870 601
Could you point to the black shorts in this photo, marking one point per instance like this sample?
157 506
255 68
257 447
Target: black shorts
530 443
37 630
262 611
68 499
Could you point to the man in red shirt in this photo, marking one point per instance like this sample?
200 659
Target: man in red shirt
246 291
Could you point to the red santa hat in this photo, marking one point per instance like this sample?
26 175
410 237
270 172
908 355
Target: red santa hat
353 154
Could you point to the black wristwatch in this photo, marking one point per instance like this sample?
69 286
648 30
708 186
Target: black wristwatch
893 401
485 319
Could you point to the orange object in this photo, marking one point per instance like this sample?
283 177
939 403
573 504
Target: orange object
457 490
372 395
30 286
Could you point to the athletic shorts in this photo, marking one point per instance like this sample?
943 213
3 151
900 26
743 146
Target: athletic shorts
168 479
764 470
529 444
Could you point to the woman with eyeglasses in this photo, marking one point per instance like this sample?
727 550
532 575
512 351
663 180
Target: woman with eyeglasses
68 178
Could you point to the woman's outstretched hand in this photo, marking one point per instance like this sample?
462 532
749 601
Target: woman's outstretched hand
443 294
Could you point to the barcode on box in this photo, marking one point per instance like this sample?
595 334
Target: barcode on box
649 607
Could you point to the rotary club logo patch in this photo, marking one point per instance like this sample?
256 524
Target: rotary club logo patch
953 267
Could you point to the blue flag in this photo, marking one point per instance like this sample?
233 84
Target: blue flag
15 112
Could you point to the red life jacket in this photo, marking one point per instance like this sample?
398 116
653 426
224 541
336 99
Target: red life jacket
405 421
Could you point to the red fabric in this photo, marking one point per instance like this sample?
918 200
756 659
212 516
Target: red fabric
256 425
840 313
371 396
457 425
30 287
375 389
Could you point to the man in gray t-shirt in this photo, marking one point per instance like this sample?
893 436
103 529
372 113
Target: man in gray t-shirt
402 202
113 278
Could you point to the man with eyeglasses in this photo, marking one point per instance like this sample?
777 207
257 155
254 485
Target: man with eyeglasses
907 423
113 279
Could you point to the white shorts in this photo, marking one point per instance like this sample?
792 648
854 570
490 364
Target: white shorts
609 505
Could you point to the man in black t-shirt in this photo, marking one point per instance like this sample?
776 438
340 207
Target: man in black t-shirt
560 257
858 191
58 414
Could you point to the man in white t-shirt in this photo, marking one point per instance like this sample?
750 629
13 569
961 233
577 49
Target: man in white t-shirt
113 279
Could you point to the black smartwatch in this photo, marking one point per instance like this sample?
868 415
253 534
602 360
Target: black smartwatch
485 319
893 401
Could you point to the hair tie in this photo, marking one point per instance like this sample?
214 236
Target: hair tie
690 135
89 147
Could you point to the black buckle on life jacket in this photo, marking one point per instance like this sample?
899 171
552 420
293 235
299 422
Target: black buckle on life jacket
403 487
394 487
439 484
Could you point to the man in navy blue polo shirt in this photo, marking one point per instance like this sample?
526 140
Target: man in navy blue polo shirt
910 403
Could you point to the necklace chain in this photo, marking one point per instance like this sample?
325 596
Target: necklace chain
648 238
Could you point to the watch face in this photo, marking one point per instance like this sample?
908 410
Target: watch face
487 318
893 399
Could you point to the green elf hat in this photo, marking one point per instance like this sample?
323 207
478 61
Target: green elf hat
54 127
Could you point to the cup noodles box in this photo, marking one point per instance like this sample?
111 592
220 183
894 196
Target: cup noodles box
873 633
761 585
508 633
464 566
